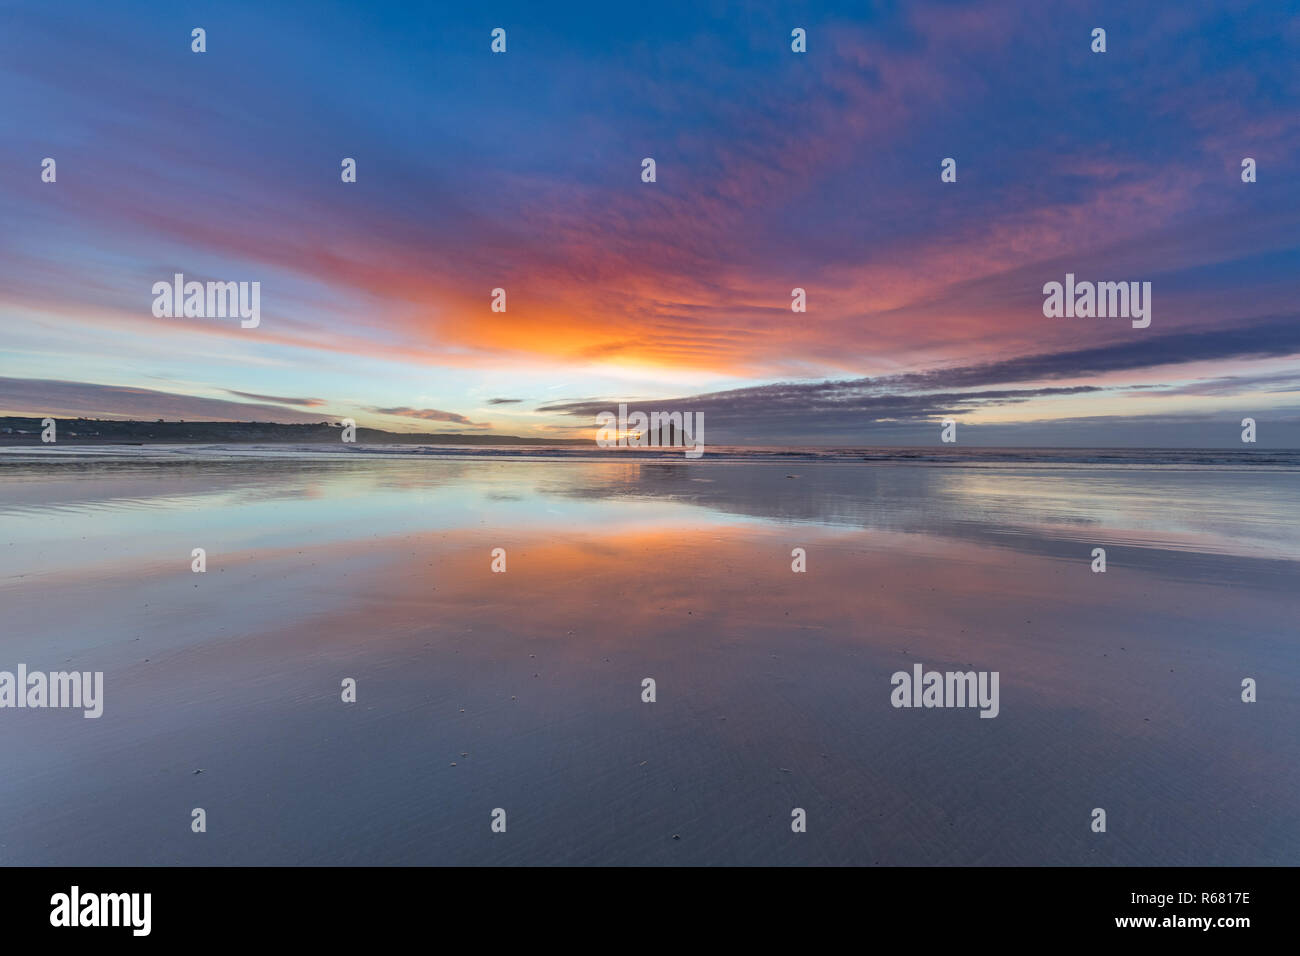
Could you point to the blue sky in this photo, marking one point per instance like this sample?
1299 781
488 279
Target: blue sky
774 170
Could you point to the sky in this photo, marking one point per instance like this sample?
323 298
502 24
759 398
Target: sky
774 170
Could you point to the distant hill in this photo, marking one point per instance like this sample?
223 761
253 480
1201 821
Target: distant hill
26 431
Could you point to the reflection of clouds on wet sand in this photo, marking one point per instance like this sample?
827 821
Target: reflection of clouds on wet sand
1118 690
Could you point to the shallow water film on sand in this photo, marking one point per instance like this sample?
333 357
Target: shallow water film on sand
408 659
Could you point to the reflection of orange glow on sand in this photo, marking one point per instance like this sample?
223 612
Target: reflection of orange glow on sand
528 682
893 595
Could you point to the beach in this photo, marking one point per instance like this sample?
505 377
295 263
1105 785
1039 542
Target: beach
522 689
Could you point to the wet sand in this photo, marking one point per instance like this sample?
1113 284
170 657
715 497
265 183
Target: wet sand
522 690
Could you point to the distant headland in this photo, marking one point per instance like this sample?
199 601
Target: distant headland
27 431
